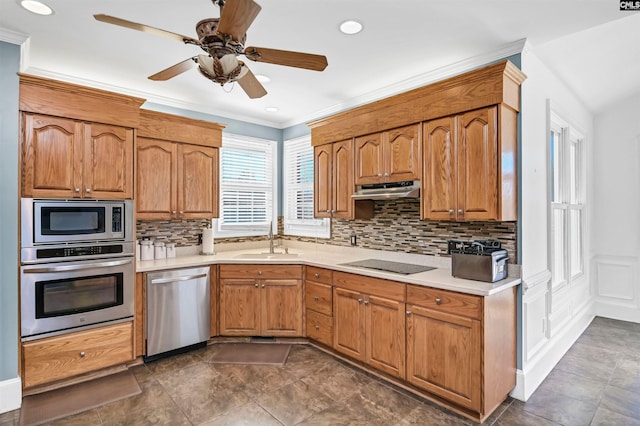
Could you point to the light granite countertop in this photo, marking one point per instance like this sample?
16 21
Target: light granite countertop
333 257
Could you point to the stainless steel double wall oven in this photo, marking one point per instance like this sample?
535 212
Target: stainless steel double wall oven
77 265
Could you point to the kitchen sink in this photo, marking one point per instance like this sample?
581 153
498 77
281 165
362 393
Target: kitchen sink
266 255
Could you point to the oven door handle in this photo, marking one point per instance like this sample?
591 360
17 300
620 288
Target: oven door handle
175 279
65 268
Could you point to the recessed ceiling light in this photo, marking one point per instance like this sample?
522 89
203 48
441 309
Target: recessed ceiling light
263 78
36 7
272 109
351 27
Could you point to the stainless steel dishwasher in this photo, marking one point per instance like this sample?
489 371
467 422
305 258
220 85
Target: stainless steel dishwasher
177 309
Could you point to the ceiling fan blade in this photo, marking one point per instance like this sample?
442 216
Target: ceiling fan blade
173 70
145 28
236 17
284 57
251 85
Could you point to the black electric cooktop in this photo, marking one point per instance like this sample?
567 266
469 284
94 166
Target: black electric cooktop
388 266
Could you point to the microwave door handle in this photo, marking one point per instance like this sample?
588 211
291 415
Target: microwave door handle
66 268
176 279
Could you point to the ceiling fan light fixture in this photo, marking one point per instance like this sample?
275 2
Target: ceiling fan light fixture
350 27
36 7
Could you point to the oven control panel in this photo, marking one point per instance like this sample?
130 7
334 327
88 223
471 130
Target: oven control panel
49 253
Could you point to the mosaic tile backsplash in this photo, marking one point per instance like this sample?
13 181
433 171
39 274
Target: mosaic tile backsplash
396 226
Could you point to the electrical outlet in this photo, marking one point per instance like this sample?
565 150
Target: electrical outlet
200 238
354 239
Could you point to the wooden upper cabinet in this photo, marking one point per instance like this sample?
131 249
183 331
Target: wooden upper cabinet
71 159
177 167
462 167
390 156
156 185
333 183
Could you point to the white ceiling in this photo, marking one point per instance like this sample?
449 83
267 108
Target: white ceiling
590 44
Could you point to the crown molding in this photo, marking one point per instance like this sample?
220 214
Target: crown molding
420 80
12 37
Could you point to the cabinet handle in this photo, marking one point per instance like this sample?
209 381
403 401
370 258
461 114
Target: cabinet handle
88 190
438 301
262 285
82 354
316 275
408 313
366 302
451 211
460 211
77 190
359 300
257 285
317 327
316 298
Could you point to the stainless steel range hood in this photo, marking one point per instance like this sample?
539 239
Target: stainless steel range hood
388 191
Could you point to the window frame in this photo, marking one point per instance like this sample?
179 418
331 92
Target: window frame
222 230
318 228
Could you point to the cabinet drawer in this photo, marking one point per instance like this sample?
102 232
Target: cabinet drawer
368 285
68 355
318 298
320 327
319 275
445 301
261 271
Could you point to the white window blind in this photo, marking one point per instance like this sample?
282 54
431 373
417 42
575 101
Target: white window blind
247 186
298 189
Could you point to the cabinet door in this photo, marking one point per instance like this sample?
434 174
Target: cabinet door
439 170
477 165
443 355
155 179
197 182
322 184
343 186
281 307
51 157
369 164
349 323
239 307
402 154
385 333
108 162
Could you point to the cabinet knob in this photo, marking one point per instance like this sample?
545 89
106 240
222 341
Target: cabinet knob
451 211
82 354
379 174
438 301
259 272
333 211
257 285
328 211
262 285
77 190
359 300
460 211
386 174
317 327
317 275
173 212
181 212
316 298
366 302
408 313
88 190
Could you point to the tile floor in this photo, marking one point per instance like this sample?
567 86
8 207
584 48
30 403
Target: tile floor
596 383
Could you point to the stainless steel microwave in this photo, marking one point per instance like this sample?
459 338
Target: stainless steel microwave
47 222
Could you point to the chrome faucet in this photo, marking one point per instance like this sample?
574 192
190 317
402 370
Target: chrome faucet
271 238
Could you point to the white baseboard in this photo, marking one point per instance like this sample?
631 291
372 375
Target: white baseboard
615 311
10 395
536 370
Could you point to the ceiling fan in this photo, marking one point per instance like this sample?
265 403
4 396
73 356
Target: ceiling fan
223 40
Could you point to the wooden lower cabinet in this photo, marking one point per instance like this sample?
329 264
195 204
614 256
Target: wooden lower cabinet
267 302
68 355
369 328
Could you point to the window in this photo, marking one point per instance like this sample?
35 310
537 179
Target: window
247 187
566 148
298 190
